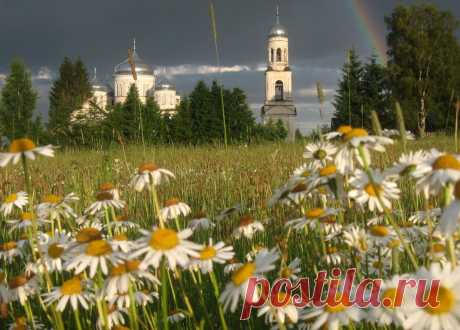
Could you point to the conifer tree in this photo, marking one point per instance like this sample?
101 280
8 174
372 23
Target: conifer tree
348 100
18 102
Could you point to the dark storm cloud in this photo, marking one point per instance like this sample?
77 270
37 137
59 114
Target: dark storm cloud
175 35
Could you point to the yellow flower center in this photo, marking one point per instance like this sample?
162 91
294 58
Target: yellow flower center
243 273
377 264
20 323
171 202
98 248
106 186
299 188
245 220
104 196
11 198
55 250
344 129
446 300
389 295
438 248
21 145
305 174
380 231
328 170
164 239
71 287
27 216
208 253
362 243
373 190
120 237
52 199
331 250
354 133
320 154
314 213
8 246
17 281
446 162
118 270
286 272
88 234
147 167
132 265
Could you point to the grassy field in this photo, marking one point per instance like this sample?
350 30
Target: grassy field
208 179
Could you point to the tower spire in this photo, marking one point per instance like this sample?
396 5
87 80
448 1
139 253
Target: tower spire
95 73
134 44
277 14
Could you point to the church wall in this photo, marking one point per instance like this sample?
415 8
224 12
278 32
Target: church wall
145 85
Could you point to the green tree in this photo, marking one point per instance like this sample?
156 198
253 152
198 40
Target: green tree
180 126
17 102
68 93
422 48
348 99
375 94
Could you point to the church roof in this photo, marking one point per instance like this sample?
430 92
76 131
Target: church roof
141 66
96 85
278 30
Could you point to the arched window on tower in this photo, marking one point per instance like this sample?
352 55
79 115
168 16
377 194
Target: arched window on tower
285 55
272 55
278 55
279 91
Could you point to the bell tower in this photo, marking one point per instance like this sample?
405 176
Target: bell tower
279 104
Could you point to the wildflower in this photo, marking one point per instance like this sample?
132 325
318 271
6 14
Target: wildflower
408 165
174 208
332 256
291 270
282 193
445 315
320 152
26 220
18 200
115 317
304 172
24 148
323 176
93 255
451 216
218 253
200 221
247 227
123 299
437 171
53 251
310 218
104 200
123 222
110 188
21 287
377 194
149 174
381 235
165 242
11 249
286 313
73 291
176 316
298 193
21 323
120 242
232 265
357 238
123 274
237 287
53 207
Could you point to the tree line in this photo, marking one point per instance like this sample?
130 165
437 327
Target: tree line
422 74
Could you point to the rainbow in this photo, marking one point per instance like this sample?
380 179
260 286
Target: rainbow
372 31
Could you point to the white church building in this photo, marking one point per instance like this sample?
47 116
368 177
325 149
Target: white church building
104 95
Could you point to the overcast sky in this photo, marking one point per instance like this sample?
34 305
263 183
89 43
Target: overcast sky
174 36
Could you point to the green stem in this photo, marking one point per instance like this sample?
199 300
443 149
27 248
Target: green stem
217 294
164 296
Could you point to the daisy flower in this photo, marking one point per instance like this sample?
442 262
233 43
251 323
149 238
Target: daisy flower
27 219
333 317
445 316
174 208
248 227
18 200
438 170
320 152
104 200
374 194
123 299
115 317
88 234
149 174
421 217
311 217
125 273
385 315
332 256
303 172
21 287
237 287
73 291
110 187
53 207
286 313
168 243
200 221
123 222
381 235
94 255
356 238
218 253
450 218
10 250
21 323
298 193
408 164
282 193
290 271
24 148
120 242
53 251
323 176
175 316
232 265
